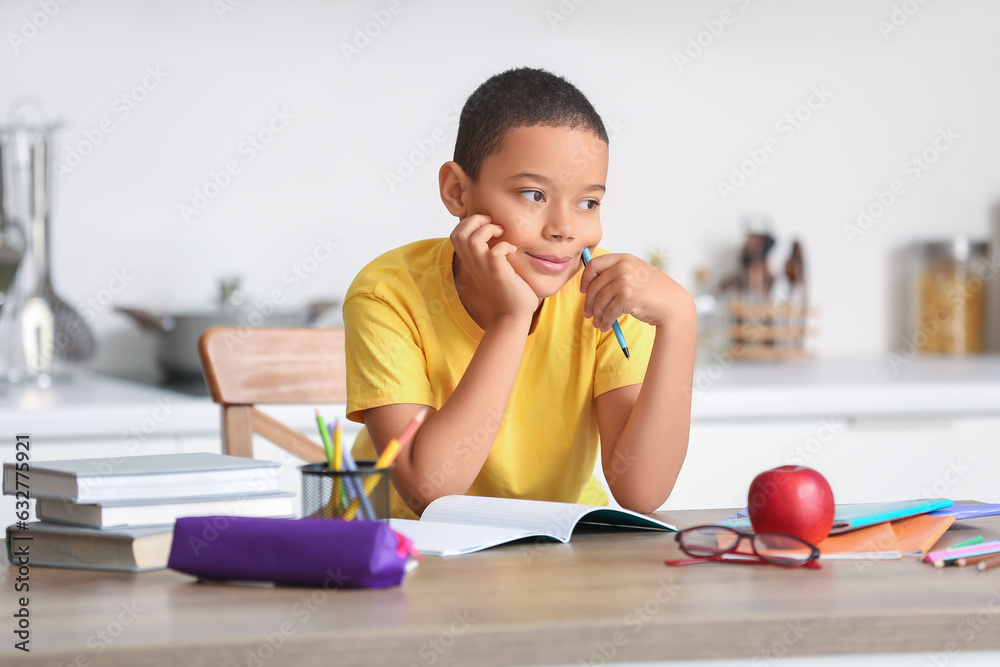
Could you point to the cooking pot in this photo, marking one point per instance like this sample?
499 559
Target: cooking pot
178 332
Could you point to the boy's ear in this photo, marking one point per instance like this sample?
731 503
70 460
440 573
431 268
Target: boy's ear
454 184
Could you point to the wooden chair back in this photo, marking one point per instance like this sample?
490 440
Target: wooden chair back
244 367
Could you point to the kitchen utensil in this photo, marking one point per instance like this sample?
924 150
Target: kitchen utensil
178 332
36 327
753 280
37 332
13 250
13 244
37 321
794 267
764 321
795 272
72 338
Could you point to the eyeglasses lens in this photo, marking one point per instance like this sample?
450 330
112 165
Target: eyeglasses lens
709 540
781 549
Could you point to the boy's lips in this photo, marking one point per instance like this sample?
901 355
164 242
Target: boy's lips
551 262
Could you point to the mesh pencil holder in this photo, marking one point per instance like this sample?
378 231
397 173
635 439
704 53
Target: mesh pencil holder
332 494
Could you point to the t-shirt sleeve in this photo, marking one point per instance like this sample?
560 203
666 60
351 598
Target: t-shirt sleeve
612 369
385 363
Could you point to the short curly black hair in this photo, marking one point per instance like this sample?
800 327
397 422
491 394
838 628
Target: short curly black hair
521 97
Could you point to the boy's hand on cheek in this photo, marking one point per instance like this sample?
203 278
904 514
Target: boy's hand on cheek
506 293
619 284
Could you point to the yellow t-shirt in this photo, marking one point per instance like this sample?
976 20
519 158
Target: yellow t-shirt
409 339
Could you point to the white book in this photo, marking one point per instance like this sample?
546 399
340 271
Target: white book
453 525
132 549
157 476
117 513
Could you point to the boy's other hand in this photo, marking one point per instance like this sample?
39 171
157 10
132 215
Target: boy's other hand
619 284
503 293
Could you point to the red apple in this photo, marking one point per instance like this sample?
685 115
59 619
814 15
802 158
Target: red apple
792 499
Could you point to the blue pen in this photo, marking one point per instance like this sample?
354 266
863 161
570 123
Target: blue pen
353 483
617 329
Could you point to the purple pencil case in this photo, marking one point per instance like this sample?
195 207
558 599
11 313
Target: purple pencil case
299 552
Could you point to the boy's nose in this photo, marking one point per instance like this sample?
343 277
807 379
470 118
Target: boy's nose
559 225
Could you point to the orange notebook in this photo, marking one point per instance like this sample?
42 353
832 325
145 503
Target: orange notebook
917 534
876 542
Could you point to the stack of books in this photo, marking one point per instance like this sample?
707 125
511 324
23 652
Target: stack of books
119 513
893 530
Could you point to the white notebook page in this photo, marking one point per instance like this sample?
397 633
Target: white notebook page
531 516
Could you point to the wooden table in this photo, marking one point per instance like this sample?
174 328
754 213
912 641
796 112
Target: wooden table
601 598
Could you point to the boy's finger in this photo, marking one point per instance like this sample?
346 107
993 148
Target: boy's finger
502 249
611 311
595 267
602 263
484 234
598 308
498 256
585 279
467 226
479 219
595 287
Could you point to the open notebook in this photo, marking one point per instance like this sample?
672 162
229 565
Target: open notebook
453 525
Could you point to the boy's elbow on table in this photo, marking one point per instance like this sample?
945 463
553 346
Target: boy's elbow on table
643 501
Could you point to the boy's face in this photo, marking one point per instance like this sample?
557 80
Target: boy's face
544 187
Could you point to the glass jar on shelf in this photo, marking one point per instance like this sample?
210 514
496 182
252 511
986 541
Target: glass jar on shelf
950 296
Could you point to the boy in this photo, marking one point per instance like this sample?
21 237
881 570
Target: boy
489 327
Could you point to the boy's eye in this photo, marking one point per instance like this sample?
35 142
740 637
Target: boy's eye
590 204
532 195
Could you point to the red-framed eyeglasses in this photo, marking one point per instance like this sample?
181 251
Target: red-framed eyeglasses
722 543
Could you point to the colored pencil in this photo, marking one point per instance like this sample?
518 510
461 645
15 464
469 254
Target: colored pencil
978 539
327 444
614 327
972 560
354 485
337 456
385 460
953 554
988 564
332 460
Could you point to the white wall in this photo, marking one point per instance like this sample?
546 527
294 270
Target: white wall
682 131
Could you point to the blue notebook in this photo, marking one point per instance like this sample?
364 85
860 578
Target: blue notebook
859 515
961 512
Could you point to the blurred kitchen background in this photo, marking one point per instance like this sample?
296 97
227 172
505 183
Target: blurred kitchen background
288 143
335 116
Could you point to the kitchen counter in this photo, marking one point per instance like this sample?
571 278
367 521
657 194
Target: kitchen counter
872 387
95 406
102 407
